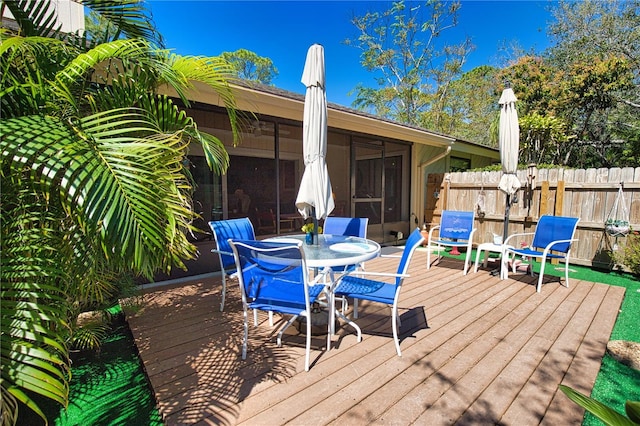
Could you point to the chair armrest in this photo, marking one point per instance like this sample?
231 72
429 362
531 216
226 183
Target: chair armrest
226 253
431 231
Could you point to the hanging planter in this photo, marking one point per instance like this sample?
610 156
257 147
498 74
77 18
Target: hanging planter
617 228
617 223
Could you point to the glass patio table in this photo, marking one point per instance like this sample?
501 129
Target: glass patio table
333 251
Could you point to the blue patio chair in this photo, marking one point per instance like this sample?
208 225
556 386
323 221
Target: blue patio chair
352 227
348 226
552 239
241 229
274 278
357 285
455 230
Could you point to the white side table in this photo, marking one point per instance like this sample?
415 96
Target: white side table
487 248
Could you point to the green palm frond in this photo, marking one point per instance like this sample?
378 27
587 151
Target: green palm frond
26 66
33 306
606 414
122 176
76 73
130 17
94 185
170 119
215 72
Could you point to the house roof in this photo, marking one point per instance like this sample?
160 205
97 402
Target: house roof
272 101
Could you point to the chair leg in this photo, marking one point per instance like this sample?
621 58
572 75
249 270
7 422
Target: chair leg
428 256
475 266
504 266
466 262
331 326
566 272
308 348
394 326
224 291
246 335
542 264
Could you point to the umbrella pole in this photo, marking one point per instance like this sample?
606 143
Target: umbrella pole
505 232
315 225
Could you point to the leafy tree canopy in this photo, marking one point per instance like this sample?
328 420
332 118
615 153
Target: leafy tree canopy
413 67
249 66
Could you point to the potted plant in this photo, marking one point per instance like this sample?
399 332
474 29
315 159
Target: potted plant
616 227
307 228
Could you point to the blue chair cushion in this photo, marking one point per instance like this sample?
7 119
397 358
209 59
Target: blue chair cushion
273 303
366 289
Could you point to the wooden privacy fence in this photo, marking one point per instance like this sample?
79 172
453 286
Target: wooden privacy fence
589 194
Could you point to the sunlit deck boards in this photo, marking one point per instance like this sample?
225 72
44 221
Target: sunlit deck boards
475 350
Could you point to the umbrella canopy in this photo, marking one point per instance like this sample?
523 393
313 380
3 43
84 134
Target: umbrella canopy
509 141
315 195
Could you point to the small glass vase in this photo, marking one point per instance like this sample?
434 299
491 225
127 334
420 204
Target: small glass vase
308 239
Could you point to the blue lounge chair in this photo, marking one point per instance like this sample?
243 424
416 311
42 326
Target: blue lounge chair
274 278
241 229
455 230
552 239
357 285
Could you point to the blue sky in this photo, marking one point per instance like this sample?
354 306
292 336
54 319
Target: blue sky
284 30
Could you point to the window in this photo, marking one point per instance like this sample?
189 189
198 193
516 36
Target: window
460 164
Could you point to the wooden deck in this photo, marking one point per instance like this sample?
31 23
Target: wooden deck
476 350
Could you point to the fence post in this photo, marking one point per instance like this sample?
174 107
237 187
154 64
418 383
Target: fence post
544 198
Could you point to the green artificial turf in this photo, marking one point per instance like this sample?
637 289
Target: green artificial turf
108 387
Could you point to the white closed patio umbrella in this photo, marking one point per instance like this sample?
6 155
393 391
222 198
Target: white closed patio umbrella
315 195
509 142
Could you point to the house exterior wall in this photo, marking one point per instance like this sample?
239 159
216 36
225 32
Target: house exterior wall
69 14
426 153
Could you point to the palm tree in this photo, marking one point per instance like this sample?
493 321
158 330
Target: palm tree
93 178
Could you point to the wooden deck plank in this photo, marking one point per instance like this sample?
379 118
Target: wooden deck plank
475 350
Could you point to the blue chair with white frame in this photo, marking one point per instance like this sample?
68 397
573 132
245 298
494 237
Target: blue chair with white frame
455 230
552 239
241 229
357 285
274 277
353 227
